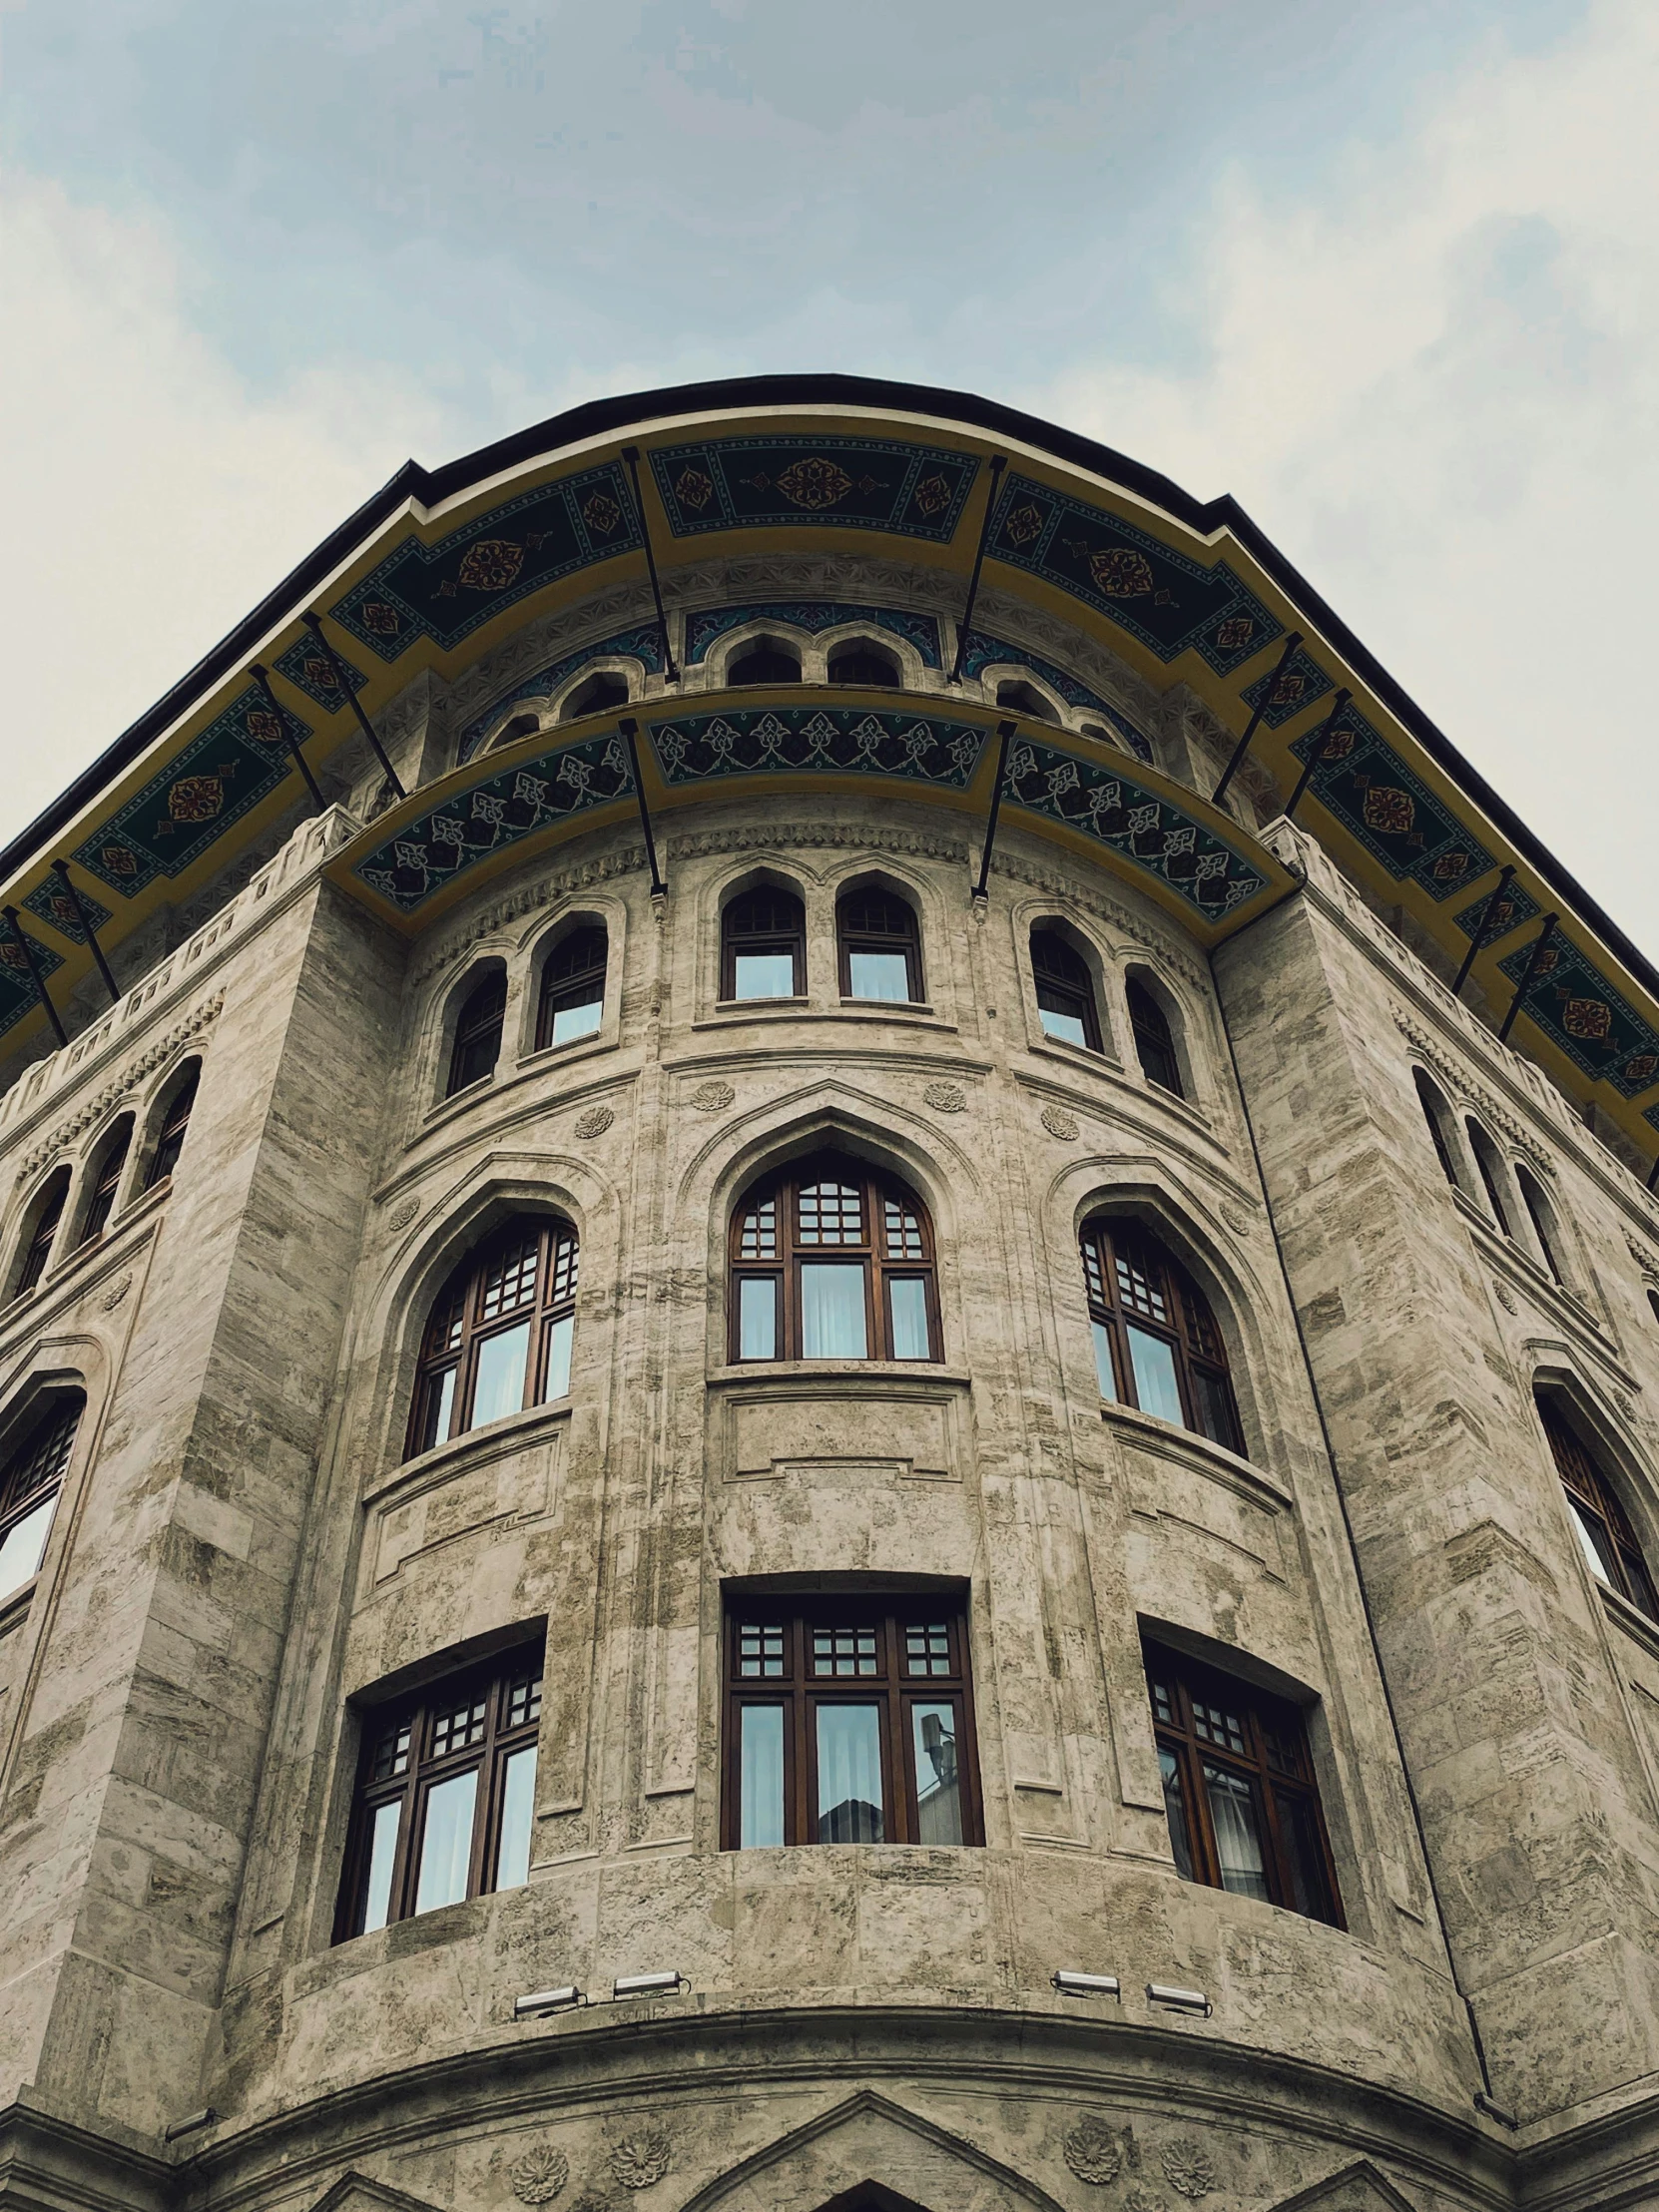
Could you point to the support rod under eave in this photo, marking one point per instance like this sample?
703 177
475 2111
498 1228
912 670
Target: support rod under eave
631 454
999 463
1540 943
59 869
1485 924
289 739
341 677
26 943
1005 732
630 737
1262 705
1315 751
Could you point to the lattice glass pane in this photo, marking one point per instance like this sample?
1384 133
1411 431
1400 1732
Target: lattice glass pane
391 1753
843 1651
760 1650
904 1231
509 1279
1139 1287
564 1268
1217 1725
759 1239
523 1703
928 1648
831 1214
1093 1279
461 1726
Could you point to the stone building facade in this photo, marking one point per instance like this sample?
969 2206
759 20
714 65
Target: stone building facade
810 1442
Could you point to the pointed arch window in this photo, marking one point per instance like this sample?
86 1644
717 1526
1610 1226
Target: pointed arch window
106 1180
605 687
1437 1115
1026 699
477 1044
1538 1214
1154 1045
572 1002
763 937
1156 1343
175 1124
499 1336
765 662
860 662
29 1484
1066 990
830 1261
880 947
1599 1521
38 1251
1490 1167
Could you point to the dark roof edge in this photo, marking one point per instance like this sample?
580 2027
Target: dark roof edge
603 417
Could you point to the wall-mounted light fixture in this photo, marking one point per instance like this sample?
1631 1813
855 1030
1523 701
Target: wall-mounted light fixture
1088 1984
189 2124
538 2002
649 1985
1178 2001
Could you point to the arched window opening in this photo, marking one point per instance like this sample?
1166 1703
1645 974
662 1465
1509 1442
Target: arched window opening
880 949
1066 990
1154 1045
1653 1301
1491 1168
764 945
1156 1344
1026 699
605 687
175 1124
1538 1214
477 1044
572 1001
37 1249
447 1795
1437 1115
765 662
1599 1521
1099 731
106 1180
860 662
1239 1788
29 1484
499 1336
831 1261
521 726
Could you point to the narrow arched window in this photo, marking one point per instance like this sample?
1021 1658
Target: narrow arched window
30 1481
108 1164
1537 1213
831 1261
1437 1115
764 945
1066 990
1154 1045
765 662
603 688
860 662
1156 1344
1490 1167
1599 1521
572 1001
477 1044
499 1336
521 726
43 1230
175 1122
1653 1301
881 950
1026 699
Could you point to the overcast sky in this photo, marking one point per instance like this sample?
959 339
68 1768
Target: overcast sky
1389 273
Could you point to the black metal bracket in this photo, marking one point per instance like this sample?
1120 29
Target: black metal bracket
26 945
289 739
1005 732
1000 462
631 454
1315 751
1540 943
1243 746
629 737
314 626
1479 937
60 868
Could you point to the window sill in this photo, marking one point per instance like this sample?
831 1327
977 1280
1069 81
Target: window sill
86 1255
838 1375
579 1048
512 1432
14 1610
1187 1445
1619 1611
1077 1055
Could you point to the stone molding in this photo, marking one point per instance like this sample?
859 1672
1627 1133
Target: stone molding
546 891
1473 1091
94 1108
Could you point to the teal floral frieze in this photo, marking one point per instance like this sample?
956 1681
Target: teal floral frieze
1362 781
917 491
17 986
1579 1011
52 903
927 748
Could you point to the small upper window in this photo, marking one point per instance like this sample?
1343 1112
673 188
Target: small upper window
573 987
175 1124
1437 1115
1026 699
499 1336
106 1179
477 1044
1066 990
521 726
831 1261
880 953
29 1484
765 662
1488 1161
1154 1045
764 945
1653 1301
48 1212
860 662
602 689
1538 1214
1156 1344
1599 1521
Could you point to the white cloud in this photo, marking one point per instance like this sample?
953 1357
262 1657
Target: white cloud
151 497
1434 385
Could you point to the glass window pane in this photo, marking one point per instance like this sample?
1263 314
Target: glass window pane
382 1848
1103 1360
500 1385
1304 1861
1214 1411
763 975
760 1783
24 1546
1155 1384
938 1784
832 1310
850 1792
1237 1824
1176 1812
558 1357
1594 1541
1069 1027
440 1403
446 1845
518 1800
907 1303
571 1022
878 975
757 1317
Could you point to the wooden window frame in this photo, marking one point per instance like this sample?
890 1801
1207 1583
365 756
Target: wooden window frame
572 987
801 1691
1189 1326
483 1008
458 1325
1591 1496
790 1249
906 939
170 1141
34 1470
1154 1034
790 939
1060 985
1275 1759
111 1166
48 1218
492 1683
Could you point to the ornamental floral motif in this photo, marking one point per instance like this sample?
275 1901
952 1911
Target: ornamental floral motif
594 1122
1188 2167
1388 811
601 513
1138 2198
712 1097
1097 2153
945 1098
1121 572
491 565
1060 1123
196 798
1235 631
262 725
814 483
1587 1017
640 2158
694 489
539 2175
1024 524
116 1293
933 495
375 615
404 1213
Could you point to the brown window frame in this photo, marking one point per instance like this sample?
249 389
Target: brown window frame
563 986
1600 1519
1070 981
800 1690
867 935
49 1213
1187 1324
111 1165
1154 1037
460 1322
483 1011
786 936
174 1126
792 1244
398 1763
1262 1741
33 1471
